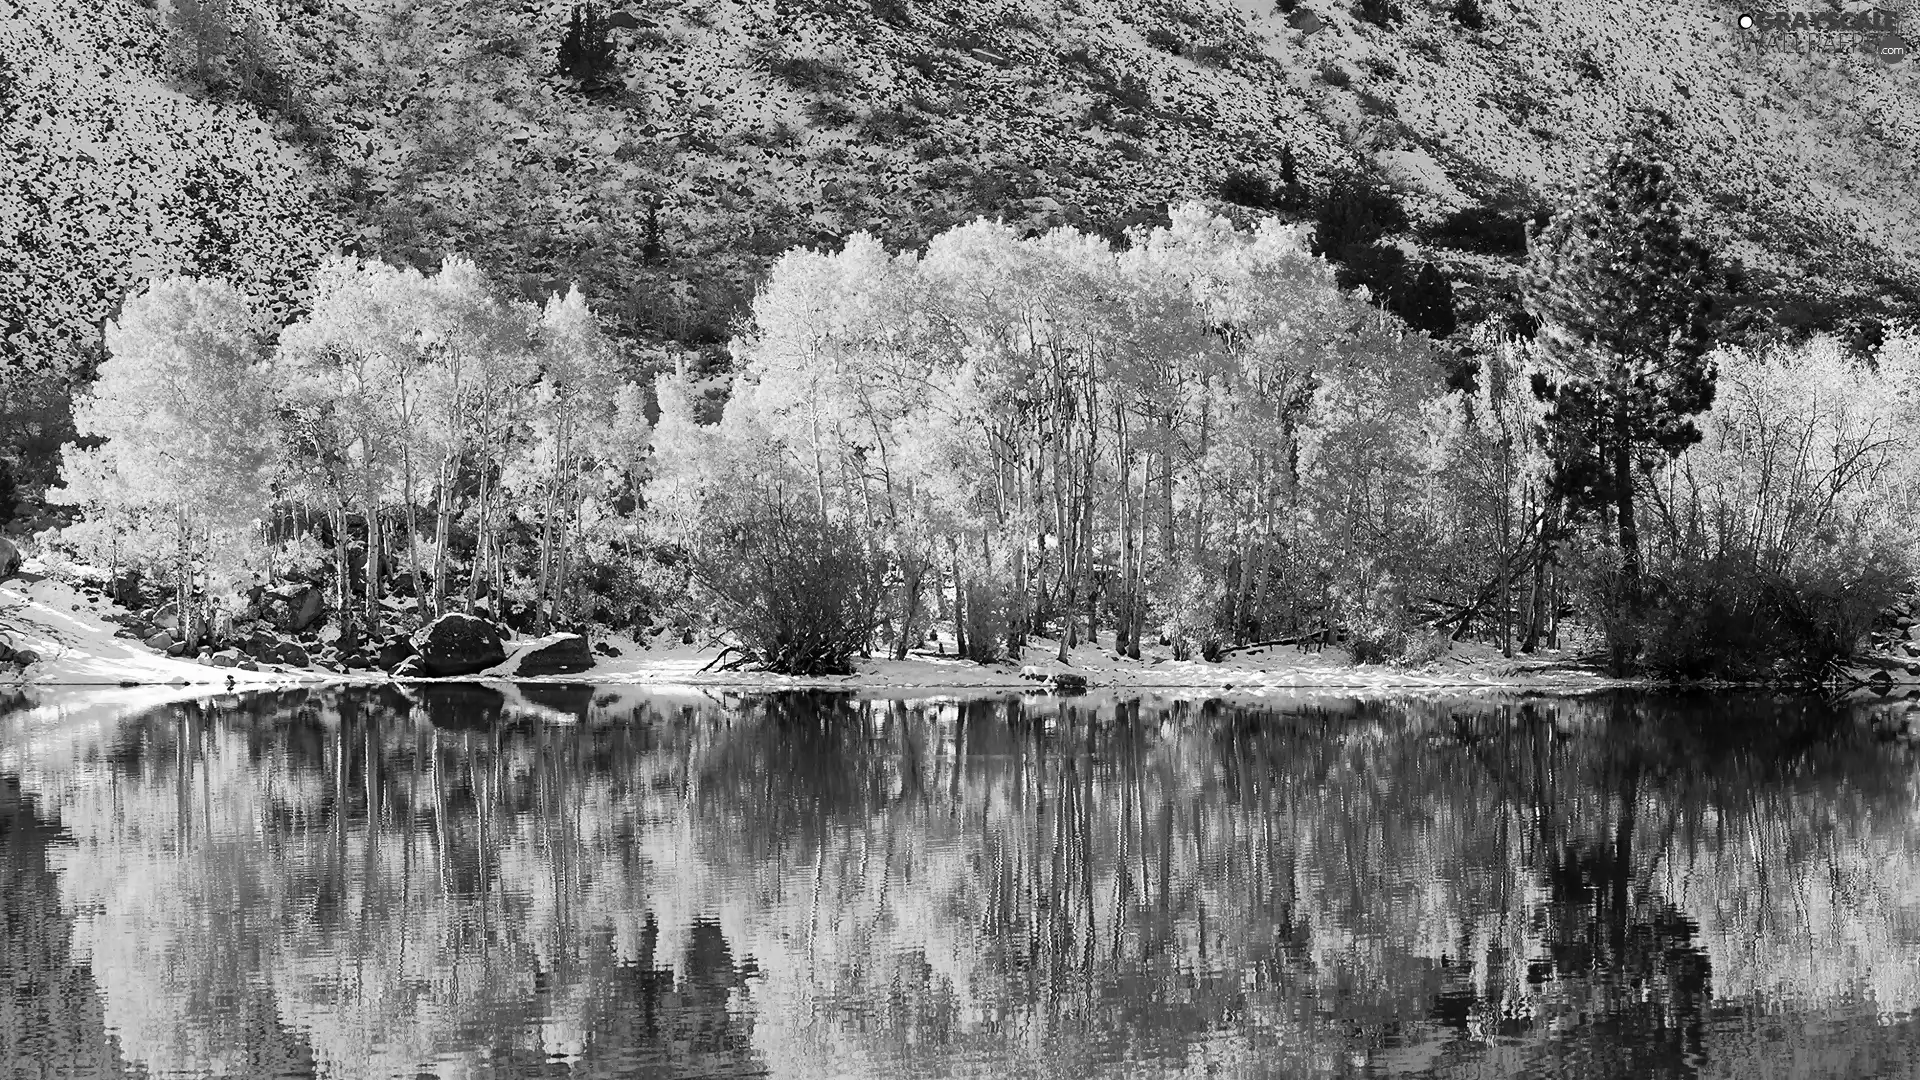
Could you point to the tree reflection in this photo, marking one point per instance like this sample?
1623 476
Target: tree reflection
566 881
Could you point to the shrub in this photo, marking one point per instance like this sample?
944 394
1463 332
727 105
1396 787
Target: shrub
1382 13
1333 74
1247 189
831 112
1375 105
1356 210
926 63
895 12
784 134
1165 40
1468 14
1380 67
1131 90
801 592
1481 229
889 125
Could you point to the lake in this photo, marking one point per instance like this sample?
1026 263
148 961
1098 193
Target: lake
556 881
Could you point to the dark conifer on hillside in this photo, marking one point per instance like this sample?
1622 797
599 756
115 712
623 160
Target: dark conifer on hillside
586 52
1354 212
1426 302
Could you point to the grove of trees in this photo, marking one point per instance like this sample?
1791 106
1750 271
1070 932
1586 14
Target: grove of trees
1200 438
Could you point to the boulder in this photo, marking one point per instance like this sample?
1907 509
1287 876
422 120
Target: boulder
26 658
167 617
458 644
395 650
161 641
9 559
178 648
249 664
410 668
226 658
555 654
291 655
295 607
605 649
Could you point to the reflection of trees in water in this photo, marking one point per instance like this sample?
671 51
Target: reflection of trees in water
818 882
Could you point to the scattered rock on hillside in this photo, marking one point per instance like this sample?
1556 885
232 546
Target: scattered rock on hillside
458 644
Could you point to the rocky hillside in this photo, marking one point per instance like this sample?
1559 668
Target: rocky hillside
667 170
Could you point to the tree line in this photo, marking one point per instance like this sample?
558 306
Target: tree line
1198 437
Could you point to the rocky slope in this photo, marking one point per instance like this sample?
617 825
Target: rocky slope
245 136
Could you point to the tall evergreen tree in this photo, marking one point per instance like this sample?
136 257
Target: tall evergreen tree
1355 212
1425 301
586 51
1625 302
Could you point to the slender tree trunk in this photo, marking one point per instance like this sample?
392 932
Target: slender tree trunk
910 606
443 531
1629 528
344 571
1165 421
482 537
1629 537
1506 550
183 588
960 601
374 539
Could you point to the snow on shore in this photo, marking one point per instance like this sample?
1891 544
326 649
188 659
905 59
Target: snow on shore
74 637
77 646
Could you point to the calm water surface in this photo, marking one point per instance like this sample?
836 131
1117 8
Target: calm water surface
571 882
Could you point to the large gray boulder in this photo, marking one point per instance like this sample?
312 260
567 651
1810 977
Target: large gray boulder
458 644
294 607
555 654
9 559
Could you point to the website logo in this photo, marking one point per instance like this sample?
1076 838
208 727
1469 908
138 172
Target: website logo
1874 29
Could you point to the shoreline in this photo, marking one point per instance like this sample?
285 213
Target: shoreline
75 638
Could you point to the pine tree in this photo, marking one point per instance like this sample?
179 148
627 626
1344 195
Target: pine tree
1426 302
1625 301
1290 196
1354 214
1468 14
586 52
